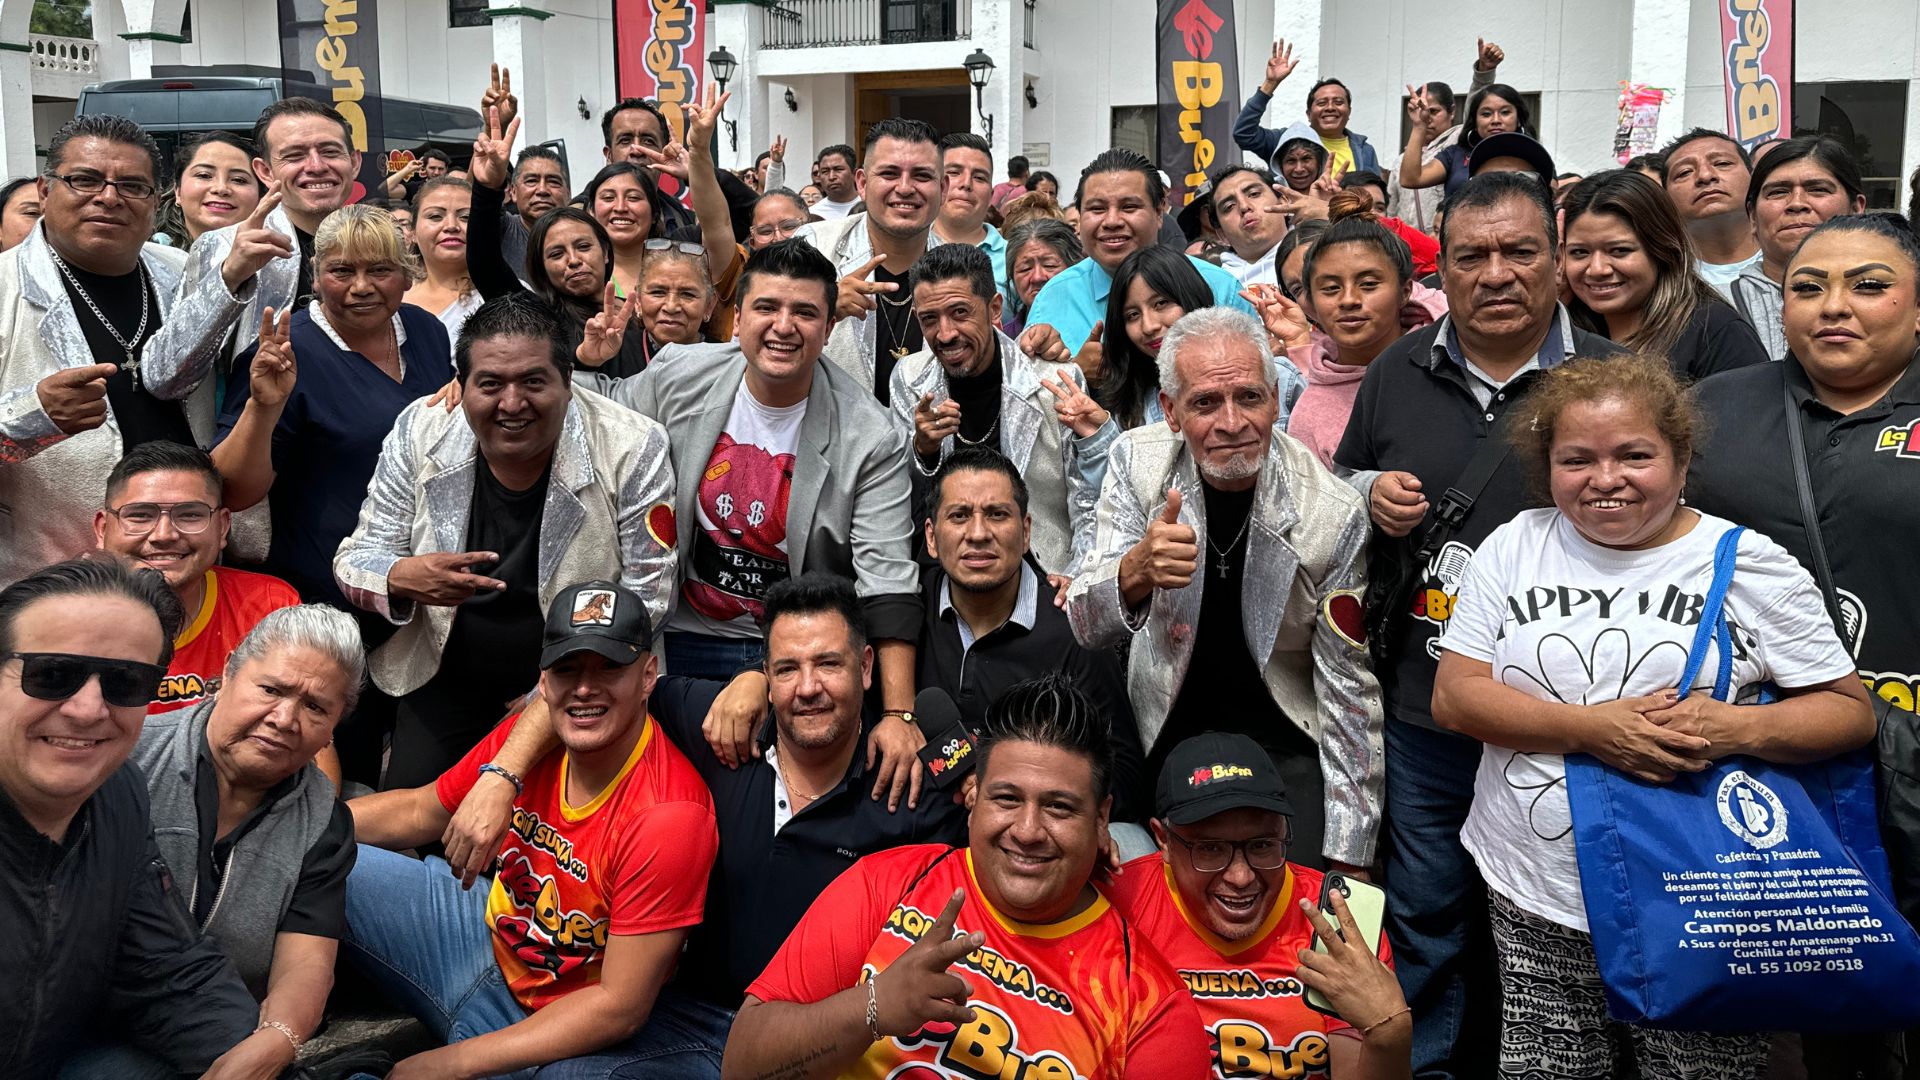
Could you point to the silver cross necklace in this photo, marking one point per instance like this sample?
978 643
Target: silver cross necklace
132 365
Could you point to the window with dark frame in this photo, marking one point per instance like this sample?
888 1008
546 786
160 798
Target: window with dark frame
1136 128
467 13
1870 120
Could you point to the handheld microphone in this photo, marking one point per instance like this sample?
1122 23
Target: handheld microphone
951 748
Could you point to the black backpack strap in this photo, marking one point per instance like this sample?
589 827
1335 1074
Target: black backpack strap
1457 502
1810 510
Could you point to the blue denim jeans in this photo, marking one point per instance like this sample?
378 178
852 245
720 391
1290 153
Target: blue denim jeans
424 940
699 656
1436 902
115 1061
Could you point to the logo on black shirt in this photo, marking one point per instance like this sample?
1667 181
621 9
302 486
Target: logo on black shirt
1901 439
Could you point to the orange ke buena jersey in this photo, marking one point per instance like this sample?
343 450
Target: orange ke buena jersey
235 601
1247 992
633 861
1083 999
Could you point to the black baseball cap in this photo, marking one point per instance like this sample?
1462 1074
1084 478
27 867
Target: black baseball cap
1216 771
602 616
1515 145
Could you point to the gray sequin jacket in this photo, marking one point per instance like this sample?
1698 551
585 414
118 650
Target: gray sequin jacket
1305 576
50 482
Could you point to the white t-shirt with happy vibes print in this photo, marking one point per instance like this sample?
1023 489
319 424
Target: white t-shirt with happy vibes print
1564 619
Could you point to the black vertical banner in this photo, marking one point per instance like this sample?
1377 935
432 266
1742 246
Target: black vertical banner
330 50
1197 64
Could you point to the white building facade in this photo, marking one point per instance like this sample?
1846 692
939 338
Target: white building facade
1070 77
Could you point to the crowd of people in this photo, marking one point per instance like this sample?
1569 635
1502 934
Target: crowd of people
919 624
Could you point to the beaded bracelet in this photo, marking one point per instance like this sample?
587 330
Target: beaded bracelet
1368 1030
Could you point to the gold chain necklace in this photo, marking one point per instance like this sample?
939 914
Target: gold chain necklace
897 334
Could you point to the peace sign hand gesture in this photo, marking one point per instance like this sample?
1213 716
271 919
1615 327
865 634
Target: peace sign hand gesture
1285 320
1080 413
271 378
500 95
857 291
920 987
492 150
1325 188
778 151
1418 111
607 331
703 119
254 244
674 158
1279 66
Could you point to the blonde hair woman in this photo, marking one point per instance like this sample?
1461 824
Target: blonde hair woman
309 405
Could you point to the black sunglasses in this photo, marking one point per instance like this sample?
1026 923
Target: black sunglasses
52 676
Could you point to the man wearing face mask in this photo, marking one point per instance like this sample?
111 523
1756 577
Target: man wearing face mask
474 522
973 386
875 327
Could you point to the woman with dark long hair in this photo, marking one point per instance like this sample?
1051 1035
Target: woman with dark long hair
569 263
1490 111
213 185
1153 288
1631 270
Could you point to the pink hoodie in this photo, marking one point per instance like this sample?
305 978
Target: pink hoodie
1319 417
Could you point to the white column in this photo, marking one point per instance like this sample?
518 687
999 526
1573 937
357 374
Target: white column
16 101
1297 22
518 36
998 29
152 34
1660 59
738 26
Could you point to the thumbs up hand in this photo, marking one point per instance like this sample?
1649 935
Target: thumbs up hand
1165 558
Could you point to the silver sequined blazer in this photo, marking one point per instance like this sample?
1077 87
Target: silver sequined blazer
1062 471
1305 553
51 482
611 470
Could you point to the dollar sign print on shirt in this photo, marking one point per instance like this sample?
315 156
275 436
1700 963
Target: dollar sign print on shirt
740 550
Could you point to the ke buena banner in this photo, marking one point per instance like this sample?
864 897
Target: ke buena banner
658 53
1197 61
330 50
1757 39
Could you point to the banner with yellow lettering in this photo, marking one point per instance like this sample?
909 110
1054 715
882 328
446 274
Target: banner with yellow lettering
1198 62
1756 37
658 53
330 50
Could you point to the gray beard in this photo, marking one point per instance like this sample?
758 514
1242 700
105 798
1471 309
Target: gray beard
1238 467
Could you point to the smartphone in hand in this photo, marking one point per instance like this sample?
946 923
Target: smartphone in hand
1367 903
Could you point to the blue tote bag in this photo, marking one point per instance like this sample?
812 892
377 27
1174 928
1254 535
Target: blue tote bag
1749 896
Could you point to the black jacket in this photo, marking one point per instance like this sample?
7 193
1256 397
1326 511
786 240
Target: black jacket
1416 413
97 935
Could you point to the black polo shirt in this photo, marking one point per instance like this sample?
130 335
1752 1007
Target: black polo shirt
1416 412
319 902
1035 641
763 882
1865 472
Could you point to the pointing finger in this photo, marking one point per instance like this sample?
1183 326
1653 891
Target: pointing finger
872 265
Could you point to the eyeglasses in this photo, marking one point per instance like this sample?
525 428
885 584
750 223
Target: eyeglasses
781 229
94 184
59 676
684 247
139 519
1213 856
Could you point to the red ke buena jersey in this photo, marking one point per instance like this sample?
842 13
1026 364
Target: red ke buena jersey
1082 999
1247 992
235 600
632 861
